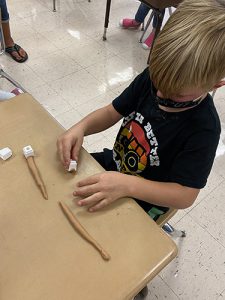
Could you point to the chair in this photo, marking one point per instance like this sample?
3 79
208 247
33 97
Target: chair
163 222
155 5
3 74
145 27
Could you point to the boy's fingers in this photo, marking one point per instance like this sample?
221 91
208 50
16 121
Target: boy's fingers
101 204
76 150
60 152
86 190
66 156
89 180
93 199
65 151
66 161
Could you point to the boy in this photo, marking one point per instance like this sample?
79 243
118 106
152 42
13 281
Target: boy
165 148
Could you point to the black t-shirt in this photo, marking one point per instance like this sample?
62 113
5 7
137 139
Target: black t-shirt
160 146
167 147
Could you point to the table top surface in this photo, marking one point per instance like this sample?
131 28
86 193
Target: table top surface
41 255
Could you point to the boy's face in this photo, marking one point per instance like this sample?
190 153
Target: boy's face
186 95
185 99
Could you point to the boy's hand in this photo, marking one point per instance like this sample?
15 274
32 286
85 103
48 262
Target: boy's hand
101 189
69 145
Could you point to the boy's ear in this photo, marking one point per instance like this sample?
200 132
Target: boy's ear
219 84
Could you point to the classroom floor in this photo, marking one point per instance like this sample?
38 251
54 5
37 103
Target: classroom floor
71 71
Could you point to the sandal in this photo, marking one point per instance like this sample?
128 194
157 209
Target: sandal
16 48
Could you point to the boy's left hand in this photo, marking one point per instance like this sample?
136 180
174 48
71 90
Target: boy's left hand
101 189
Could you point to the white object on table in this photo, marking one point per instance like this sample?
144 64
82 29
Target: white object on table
28 151
72 166
5 153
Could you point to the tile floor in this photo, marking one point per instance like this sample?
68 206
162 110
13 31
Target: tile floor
71 71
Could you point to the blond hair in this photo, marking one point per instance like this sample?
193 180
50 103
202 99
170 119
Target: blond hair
190 50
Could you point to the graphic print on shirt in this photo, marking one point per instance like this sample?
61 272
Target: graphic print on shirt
136 146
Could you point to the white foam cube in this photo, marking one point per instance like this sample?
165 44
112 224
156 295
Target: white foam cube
28 151
72 166
5 153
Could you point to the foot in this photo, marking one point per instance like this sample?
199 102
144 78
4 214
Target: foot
148 42
129 23
16 52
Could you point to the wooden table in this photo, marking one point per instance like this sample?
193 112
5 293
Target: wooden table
41 256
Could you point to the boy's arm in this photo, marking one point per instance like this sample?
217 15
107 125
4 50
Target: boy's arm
99 120
166 194
70 142
102 189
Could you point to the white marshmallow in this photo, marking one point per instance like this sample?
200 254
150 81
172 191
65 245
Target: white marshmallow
28 151
72 166
5 153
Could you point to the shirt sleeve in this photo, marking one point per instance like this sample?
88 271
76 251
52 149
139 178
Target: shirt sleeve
192 166
128 100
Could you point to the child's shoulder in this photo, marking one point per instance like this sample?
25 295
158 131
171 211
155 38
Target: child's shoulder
206 115
144 76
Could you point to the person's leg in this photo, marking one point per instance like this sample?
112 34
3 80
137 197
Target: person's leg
139 18
4 11
15 51
141 13
148 42
7 34
5 23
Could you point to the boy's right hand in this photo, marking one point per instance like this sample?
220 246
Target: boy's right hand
69 145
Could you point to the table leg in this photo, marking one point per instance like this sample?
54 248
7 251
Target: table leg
107 11
54 8
159 17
